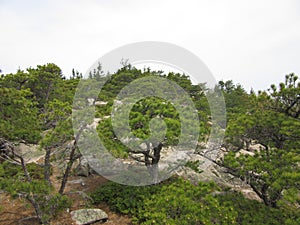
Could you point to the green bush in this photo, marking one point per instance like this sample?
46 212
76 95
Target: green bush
124 199
194 165
12 180
9 170
175 201
51 205
254 212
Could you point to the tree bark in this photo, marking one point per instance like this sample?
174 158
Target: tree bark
72 159
47 166
30 197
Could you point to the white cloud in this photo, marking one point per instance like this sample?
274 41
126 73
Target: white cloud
239 40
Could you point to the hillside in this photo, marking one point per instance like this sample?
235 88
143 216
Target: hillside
200 166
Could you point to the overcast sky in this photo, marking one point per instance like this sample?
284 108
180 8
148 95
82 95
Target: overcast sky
254 43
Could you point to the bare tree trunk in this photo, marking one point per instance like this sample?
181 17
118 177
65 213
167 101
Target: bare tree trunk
37 210
155 160
72 159
156 153
47 166
152 165
30 197
147 156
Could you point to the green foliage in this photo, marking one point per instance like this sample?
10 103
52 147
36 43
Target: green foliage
236 98
51 205
174 202
269 128
13 180
273 171
153 107
39 100
17 81
57 117
194 165
31 102
144 111
24 97
9 170
179 202
124 199
254 212
287 97
183 203
18 116
109 139
65 90
44 80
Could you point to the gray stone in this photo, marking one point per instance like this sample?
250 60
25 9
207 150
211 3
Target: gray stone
83 168
31 153
244 152
88 216
100 103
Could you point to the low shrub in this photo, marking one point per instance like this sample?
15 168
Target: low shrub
175 201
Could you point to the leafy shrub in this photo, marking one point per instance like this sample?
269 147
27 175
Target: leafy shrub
175 201
194 165
9 170
254 212
124 199
12 180
51 205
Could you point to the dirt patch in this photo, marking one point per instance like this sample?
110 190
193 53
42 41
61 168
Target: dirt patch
14 211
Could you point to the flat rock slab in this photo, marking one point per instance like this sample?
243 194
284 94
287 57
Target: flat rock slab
88 216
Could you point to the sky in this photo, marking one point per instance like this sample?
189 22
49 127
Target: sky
254 43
